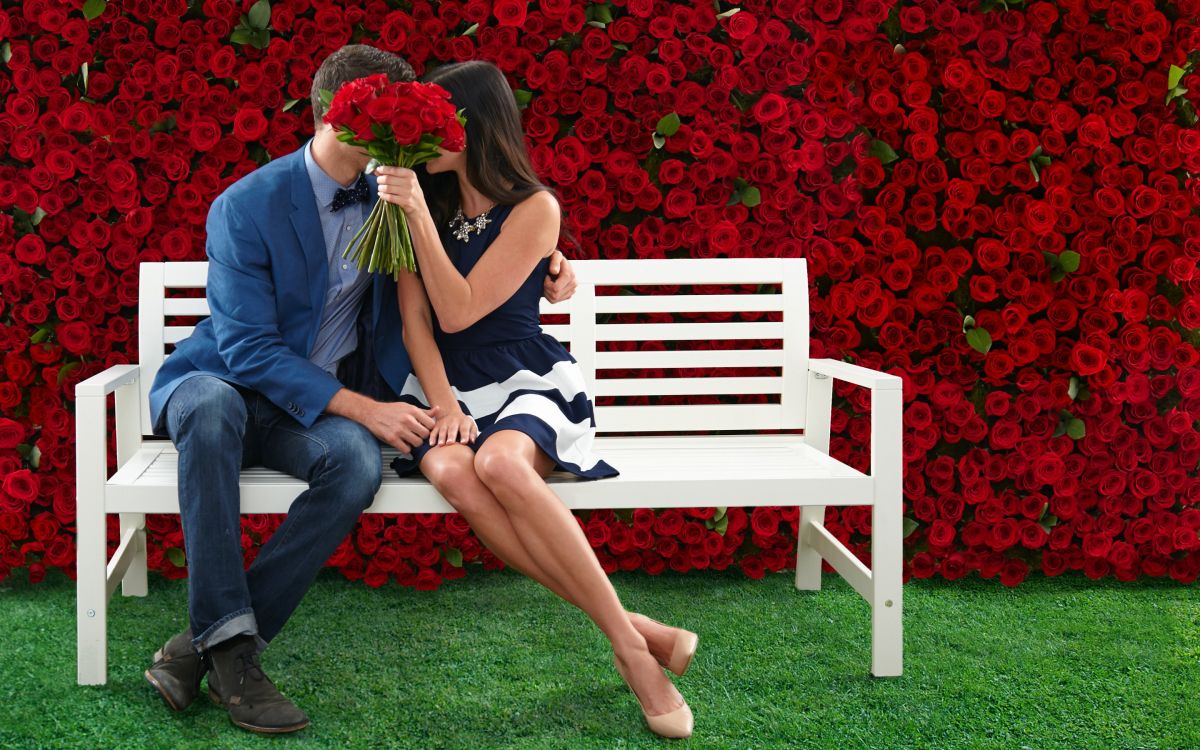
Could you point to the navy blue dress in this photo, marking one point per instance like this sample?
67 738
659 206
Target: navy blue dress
507 374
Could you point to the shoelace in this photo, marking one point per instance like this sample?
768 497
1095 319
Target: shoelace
248 664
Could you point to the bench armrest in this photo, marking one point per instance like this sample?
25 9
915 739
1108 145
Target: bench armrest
887 415
91 419
857 374
104 383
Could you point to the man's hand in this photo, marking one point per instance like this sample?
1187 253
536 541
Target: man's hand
402 426
560 283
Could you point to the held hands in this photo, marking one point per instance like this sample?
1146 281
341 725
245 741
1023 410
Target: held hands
399 185
453 428
402 426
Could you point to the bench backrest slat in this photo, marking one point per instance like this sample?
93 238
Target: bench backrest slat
654 366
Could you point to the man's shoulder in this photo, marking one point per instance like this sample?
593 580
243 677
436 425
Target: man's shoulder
266 188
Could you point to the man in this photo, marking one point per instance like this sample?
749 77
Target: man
295 371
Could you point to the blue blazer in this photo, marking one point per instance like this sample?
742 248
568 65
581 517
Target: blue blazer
267 277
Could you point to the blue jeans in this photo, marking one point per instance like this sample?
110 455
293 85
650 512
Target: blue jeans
220 429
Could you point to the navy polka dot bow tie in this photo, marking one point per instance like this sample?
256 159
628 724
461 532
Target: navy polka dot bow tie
360 192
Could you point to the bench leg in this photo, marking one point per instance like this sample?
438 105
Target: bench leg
91 543
818 409
887 536
134 582
91 586
808 560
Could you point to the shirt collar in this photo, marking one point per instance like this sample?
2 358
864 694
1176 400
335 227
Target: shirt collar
324 186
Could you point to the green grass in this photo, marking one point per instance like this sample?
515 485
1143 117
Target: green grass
494 661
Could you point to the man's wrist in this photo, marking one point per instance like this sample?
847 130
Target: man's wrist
355 406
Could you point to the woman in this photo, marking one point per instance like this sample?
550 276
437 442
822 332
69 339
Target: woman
472 330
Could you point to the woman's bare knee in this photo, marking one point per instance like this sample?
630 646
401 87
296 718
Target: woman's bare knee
449 468
500 468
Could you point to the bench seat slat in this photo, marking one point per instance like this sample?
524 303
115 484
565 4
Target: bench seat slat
657 472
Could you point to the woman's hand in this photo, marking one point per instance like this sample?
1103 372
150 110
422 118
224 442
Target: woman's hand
453 428
399 185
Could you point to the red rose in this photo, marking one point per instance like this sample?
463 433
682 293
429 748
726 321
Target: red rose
21 485
510 12
1013 572
11 433
941 533
1087 360
249 124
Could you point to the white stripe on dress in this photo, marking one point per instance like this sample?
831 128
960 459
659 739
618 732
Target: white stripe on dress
573 440
565 377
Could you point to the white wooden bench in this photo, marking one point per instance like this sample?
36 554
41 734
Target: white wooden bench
659 467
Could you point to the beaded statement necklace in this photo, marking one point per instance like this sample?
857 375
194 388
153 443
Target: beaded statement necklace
461 227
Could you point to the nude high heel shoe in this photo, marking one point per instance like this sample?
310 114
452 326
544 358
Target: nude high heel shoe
675 724
682 652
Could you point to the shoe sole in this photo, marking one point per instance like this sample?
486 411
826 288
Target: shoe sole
253 728
161 691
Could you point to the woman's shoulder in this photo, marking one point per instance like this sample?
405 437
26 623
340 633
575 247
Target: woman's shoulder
537 206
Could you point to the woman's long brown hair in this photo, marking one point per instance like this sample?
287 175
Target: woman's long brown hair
498 162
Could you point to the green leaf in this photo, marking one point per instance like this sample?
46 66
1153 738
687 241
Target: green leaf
5 52
289 104
722 525
1174 75
176 556
38 215
523 97
600 14
968 323
883 152
260 38
260 14
1073 387
1076 429
659 141
980 340
65 370
93 8
240 35
751 196
41 334
668 125
910 526
1037 177
729 13
1045 509
1048 522
83 71
1069 259
471 30
720 513
35 457
454 557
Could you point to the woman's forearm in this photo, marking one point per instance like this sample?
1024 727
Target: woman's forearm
449 293
428 367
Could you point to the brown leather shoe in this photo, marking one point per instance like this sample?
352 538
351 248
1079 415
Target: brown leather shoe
236 680
177 671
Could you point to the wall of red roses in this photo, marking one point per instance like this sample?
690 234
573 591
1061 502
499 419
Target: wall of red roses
997 203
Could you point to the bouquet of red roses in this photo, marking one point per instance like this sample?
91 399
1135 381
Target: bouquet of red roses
399 125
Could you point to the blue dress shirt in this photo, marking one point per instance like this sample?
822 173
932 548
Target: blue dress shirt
337 334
